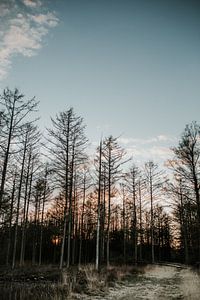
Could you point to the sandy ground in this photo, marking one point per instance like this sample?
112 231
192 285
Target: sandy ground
158 283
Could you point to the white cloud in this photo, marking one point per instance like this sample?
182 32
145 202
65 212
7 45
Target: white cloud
151 140
48 19
161 152
31 3
158 154
165 138
22 32
155 148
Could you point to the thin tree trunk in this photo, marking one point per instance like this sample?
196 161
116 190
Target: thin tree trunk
18 206
27 210
42 220
5 164
74 223
35 229
21 262
109 209
124 228
82 218
141 238
183 221
134 224
152 222
10 221
70 210
196 188
66 199
64 237
98 210
103 218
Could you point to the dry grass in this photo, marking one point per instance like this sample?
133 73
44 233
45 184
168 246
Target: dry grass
31 274
50 283
34 291
84 280
121 273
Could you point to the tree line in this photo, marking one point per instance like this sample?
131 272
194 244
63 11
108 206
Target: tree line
61 206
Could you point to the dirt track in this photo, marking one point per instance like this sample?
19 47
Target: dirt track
158 283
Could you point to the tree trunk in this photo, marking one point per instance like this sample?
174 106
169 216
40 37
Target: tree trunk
5 164
21 262
98 210
109 210
66 198
141 236
70 209
82 219
10 221
42 220
18 206
152 223
124 228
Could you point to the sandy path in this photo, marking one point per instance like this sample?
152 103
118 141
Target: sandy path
158 283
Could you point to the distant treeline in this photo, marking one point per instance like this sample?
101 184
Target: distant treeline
60 205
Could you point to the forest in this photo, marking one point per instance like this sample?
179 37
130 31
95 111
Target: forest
60 205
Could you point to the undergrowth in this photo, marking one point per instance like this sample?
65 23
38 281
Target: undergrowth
52 284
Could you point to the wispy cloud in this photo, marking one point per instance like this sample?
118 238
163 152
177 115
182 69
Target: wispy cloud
45 19
22 30
32 3
147 141
155 148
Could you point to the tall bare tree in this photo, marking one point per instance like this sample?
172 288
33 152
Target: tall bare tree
154 182
98 205
187 165
67 144
112 160
15 111
29 136
132 178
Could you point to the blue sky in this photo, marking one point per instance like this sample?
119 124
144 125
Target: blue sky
130 68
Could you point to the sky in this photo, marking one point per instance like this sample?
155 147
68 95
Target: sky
129 68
